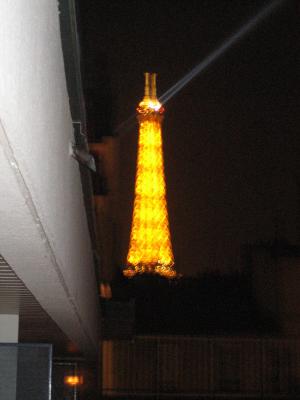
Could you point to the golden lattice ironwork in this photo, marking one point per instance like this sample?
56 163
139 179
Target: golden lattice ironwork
150 248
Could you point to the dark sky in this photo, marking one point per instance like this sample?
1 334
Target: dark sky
231 137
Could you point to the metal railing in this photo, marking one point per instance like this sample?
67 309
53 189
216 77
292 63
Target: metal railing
164 366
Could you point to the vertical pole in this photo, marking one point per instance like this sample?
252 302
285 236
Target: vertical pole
153 86
262 367
147 86
157 369
75 387
212 367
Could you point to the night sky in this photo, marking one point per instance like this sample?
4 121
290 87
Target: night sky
231 137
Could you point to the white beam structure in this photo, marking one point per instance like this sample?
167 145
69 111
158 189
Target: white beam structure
44 235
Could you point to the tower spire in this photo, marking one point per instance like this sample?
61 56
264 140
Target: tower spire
150 248
147 86
153 86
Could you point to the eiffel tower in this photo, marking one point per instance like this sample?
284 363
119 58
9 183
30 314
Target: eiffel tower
150 248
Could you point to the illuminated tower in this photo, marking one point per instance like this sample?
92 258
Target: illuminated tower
150 248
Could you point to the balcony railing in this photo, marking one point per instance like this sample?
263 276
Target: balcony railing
209 367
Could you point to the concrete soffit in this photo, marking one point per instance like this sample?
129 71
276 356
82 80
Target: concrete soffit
27 249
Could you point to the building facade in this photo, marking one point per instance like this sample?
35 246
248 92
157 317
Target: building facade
49 242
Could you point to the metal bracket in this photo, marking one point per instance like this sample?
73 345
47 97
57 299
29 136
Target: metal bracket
83 156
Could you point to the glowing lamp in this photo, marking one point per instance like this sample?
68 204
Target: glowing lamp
73 380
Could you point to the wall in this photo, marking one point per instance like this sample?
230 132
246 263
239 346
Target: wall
289 295
265 282
276 288
43 233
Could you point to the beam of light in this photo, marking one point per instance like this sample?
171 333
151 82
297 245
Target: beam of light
125 125
219 51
